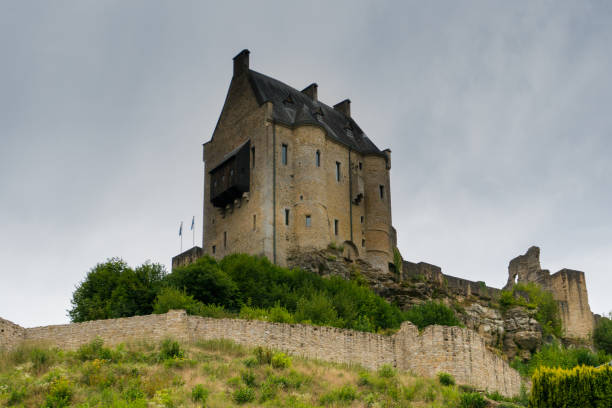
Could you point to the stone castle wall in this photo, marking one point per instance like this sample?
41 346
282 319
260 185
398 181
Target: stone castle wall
11 334
458 351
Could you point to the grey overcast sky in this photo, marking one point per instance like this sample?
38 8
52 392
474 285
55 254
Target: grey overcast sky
499 116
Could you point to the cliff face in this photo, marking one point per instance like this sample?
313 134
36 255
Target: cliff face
515 332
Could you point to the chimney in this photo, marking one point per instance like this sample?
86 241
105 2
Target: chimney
241 62
311 91
344 107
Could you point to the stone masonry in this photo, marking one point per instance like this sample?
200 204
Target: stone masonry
285 172
458 351
567 286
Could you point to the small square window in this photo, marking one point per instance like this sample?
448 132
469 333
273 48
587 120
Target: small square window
336 227
360 165
214 249
308 221
363 243
362 219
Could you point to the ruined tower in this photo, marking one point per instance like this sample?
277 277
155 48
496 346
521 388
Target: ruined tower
286 173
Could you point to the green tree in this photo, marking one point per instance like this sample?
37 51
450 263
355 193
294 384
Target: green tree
602 336
432 313
206 282
112 289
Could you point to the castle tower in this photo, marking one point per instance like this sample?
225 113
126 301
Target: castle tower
286 173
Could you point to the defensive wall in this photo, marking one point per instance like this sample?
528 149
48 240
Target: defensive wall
458 351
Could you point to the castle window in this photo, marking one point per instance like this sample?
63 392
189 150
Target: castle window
286 216
254 222
284 154
362 219
253 157
360 165
318 159
224 239
308 222
336 227
337 171
214 249
363 243
381 190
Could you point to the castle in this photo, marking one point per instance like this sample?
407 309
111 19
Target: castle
286 173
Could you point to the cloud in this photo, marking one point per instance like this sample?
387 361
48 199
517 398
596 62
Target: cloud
497 116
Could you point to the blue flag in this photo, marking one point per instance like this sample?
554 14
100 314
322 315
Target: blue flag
181 229
192 222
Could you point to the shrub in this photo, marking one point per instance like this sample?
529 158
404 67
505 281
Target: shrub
547 309
199 393
16 396
41 359
386 371
206 282
243 395
317 309
170 298
248 378
279 314
94 350
60 394
583 387
345 394
472 400
602 336
250 362
268 390
263 355
556 355
170 349
446 379
280 360
430 313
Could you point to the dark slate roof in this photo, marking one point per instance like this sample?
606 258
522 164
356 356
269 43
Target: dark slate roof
294 108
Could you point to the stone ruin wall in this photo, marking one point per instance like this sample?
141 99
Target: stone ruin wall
567 286
11 334
458 351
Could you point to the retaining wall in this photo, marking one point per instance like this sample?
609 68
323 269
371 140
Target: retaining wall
458 351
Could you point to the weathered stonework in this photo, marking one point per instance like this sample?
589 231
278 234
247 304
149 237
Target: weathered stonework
458 351
314 178
11 334
567 286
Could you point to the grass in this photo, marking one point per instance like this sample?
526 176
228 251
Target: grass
215 373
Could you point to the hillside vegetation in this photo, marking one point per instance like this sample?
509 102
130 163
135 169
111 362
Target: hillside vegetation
216 373
244 286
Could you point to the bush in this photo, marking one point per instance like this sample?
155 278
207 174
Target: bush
556 355
430 313
60 394
170 298
472 400
446 379
547 309
206 282
94 350
602 336
248 378
280 360
386 371
263 355
346 394
583 387
170 349
199 393
243 395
